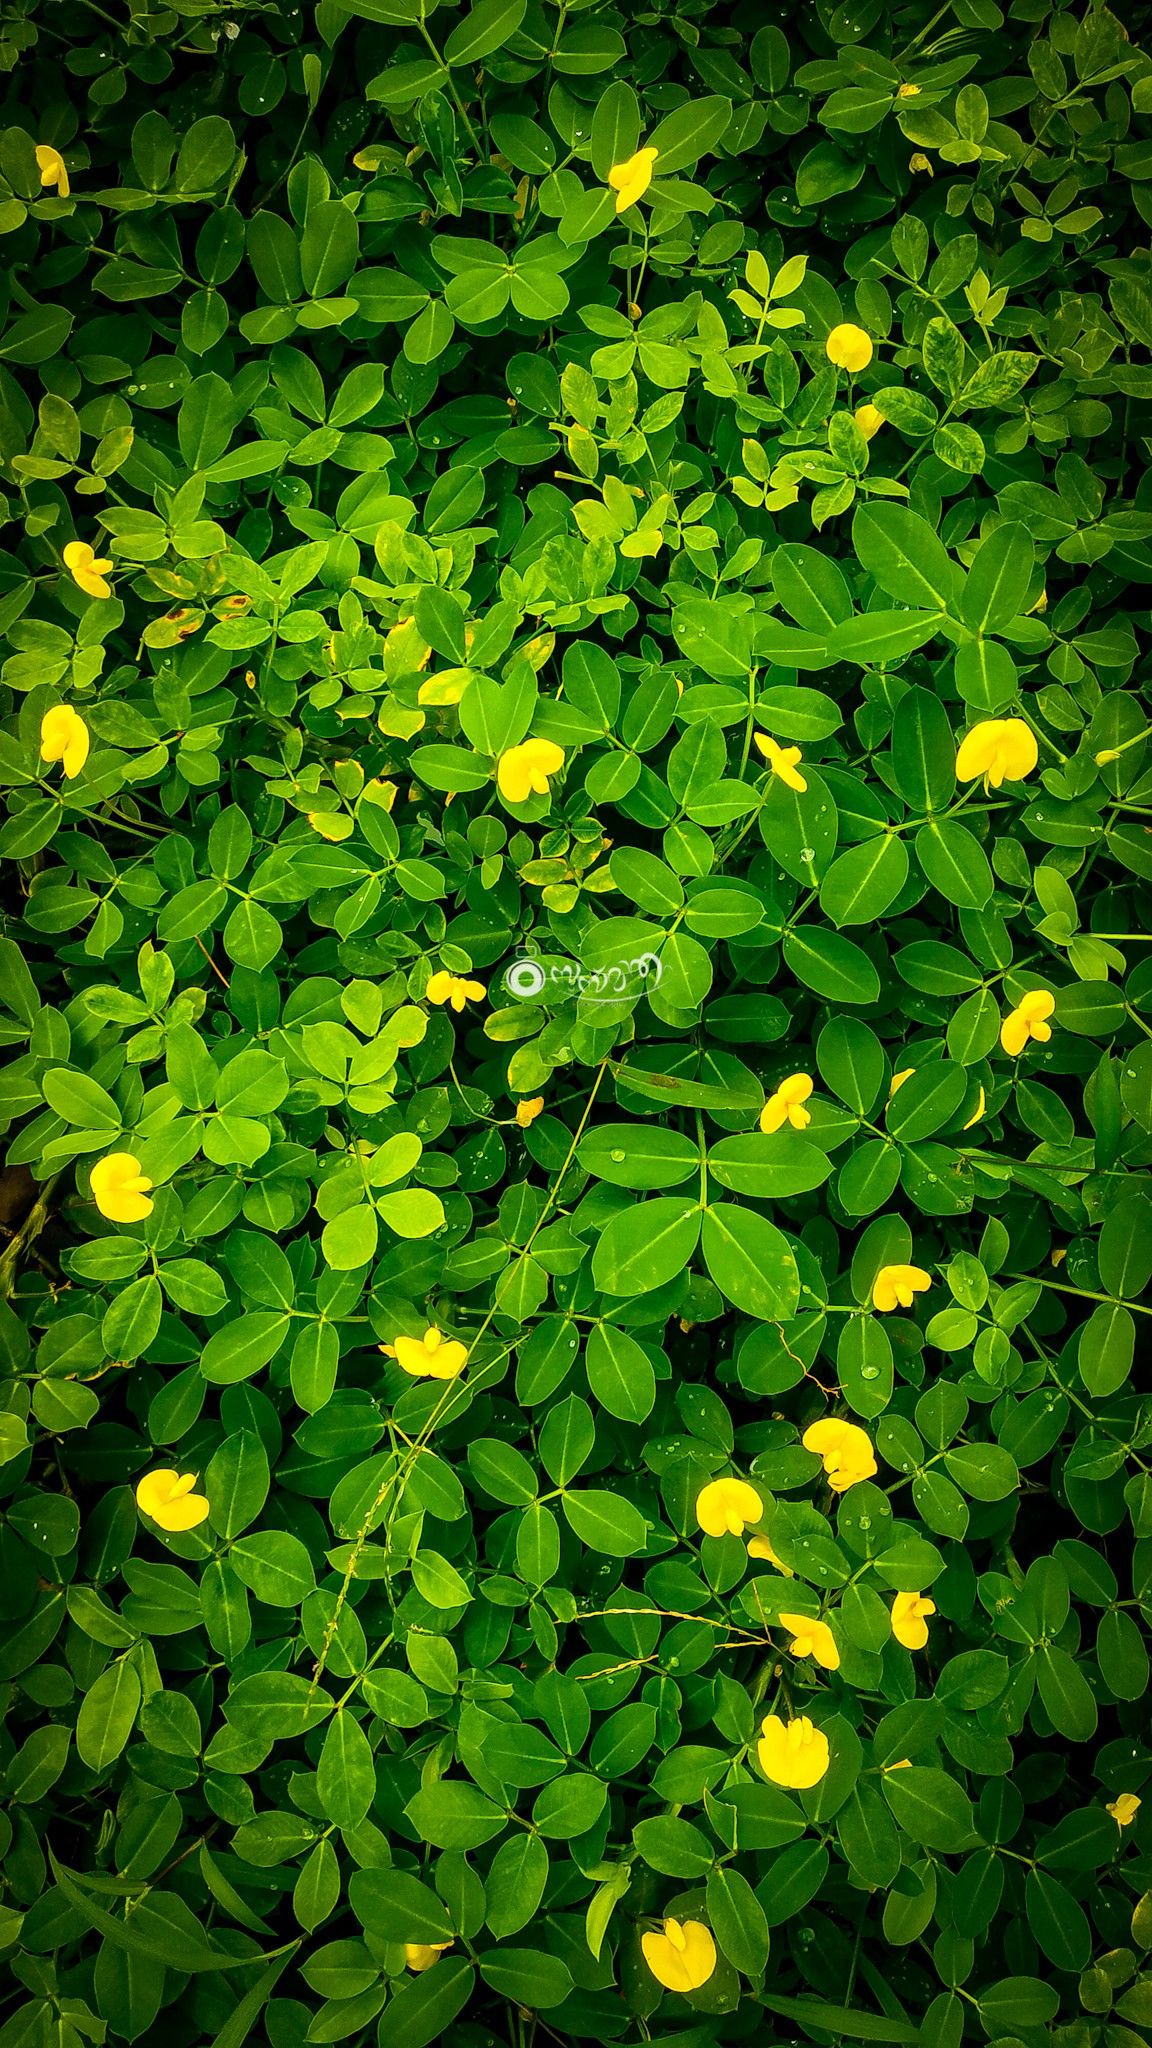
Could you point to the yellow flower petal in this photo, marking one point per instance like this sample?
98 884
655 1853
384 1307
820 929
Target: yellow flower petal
1124 1809
431 1356
999 749
761 1549
119 1189
783 761
812 1638
977 1112
910 1613
166 1497
724 1506
453 988
524 771
1028 1020
794 1754
53 170
631 179
527 1112
846 1450
64 737
849 348
86 568
420 1955
683 1957
895 1286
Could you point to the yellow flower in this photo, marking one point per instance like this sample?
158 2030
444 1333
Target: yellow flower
523 771
631 179
725 1505
430 1357
1028 1020
919 162
792 1753
812 1638
782 761
869 419
977 1113
64 737
999 749
420 1955
119 1189
87 568
907 92
899 1079
760 1547
166 1497
527 1112
1124 1809
849 348
454 989
53 169
786 1106
846 1450
683 1957
1041 604
910 1613
896 1285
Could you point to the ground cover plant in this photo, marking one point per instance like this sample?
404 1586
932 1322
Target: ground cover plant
577 1006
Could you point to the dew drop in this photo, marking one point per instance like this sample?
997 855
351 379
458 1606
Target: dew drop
617 1157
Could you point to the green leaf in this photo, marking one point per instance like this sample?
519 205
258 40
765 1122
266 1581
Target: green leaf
646 1245
751 1262
904 557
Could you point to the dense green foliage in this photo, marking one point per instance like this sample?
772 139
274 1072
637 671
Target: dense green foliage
406 444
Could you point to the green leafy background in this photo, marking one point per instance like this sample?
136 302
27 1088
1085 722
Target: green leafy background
404 446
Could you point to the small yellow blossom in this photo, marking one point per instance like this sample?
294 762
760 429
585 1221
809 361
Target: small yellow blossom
53 169
724 1506
895 1286
786 1106
783 761
869 419
430 1357
919 162
899 1079
683 1957
849 348
1028 1020
910 1613
792 1753
64 737
166 1497
454 989
1041 604
907 92
527 1112
119 1189
420 1955
812 1638
1124 1809
999 749
978 1112
761 1549
525 770
631 179
87 568
846 1450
